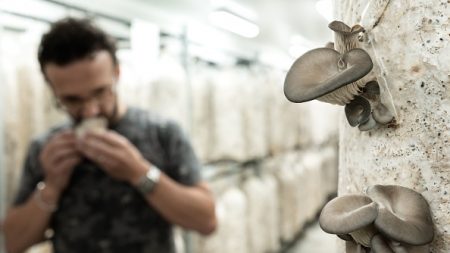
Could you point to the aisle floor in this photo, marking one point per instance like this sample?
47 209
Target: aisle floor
315 241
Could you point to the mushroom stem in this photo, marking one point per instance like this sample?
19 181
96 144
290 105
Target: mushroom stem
352 247
345 42
346 39
379 245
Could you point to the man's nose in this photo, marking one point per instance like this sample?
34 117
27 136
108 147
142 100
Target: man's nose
91 108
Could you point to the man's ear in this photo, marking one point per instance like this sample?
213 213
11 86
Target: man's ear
116 72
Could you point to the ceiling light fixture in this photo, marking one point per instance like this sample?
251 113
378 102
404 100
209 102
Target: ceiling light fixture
231 22
325 9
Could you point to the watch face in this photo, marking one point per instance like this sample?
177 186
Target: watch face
149 181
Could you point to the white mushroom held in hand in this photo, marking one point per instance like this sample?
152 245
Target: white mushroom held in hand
91 124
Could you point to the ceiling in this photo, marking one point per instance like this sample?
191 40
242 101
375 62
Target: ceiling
279 20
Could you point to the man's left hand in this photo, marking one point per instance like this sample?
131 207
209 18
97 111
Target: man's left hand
114 154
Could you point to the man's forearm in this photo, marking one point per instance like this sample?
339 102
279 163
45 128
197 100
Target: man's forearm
188 207
25 225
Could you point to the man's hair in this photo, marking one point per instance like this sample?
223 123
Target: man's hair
72 39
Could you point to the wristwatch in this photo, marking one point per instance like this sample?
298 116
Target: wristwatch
147 182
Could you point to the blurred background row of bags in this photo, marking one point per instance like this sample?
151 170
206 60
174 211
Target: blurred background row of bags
271 164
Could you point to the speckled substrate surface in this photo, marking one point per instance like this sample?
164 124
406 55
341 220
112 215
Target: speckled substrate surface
409 44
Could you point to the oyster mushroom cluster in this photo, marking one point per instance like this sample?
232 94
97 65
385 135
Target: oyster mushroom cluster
387 219
334 74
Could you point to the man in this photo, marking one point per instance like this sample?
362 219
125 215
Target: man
117 190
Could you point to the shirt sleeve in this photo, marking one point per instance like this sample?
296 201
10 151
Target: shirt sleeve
182 163
31 174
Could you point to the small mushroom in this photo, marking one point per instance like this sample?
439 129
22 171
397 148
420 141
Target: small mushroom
371 91
324 70
346 38
381 113
350 214
368 125
330 45
403 214
357 111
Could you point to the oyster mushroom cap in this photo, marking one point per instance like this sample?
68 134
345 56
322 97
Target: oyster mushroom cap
341 27
371 90
403 214
348 213
381 114
323 70
357 111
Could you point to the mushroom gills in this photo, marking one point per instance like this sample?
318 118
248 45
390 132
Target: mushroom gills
343 95
364 236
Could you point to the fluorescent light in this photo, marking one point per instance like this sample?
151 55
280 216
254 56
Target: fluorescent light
234 7
325 9
233 23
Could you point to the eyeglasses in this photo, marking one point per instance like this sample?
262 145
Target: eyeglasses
74 103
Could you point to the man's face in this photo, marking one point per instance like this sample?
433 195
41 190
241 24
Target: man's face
85 88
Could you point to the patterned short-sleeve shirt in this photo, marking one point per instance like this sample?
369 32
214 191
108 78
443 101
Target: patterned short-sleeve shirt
97 213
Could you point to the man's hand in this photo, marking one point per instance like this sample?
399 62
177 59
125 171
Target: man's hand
115 155
58 159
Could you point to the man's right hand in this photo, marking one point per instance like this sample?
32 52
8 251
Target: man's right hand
58 159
